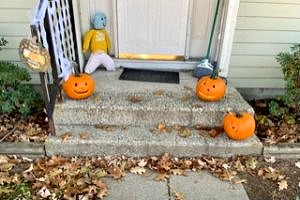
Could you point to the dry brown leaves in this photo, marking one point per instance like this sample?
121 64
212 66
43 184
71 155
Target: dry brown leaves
276 132
178 195
82 177
159 93
16 129
135 99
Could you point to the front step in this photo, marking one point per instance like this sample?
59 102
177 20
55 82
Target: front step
169 103
140 141
155 103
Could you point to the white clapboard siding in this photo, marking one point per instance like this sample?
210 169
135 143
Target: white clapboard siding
264 28
15 18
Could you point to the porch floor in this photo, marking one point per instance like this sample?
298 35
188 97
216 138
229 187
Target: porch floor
129 110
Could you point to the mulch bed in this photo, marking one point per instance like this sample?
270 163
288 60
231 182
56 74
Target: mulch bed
271 130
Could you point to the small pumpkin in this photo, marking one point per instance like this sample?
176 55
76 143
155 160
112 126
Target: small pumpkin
79 86
239 126
211 88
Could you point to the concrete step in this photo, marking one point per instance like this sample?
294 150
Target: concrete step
140 141
133 103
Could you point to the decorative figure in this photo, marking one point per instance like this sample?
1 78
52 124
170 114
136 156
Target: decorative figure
97 41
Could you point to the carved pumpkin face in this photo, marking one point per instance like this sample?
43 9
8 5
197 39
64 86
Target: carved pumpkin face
210 89
79 86
239 126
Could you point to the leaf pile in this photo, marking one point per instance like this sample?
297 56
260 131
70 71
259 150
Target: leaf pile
82 178
14 128
274 132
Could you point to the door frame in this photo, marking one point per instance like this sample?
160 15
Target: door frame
231 7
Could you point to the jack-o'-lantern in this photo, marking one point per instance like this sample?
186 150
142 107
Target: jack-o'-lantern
211 88
79 86
239 126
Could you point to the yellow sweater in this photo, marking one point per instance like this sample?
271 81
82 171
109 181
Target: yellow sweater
97 41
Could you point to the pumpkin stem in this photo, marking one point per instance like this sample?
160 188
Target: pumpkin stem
238 115
75 67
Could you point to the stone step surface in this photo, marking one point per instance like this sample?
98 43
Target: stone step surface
133 103
87 140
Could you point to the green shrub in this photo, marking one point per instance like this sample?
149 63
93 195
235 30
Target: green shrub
17 191
3 42
15 95
287 106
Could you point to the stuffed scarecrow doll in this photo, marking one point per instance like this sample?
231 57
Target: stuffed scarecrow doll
97 41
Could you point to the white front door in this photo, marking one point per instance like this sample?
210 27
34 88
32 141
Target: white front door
152 28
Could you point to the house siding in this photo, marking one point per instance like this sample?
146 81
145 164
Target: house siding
264 28
14 26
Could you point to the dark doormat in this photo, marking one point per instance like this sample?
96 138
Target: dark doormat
149 76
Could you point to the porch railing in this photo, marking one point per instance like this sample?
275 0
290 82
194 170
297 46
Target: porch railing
55 31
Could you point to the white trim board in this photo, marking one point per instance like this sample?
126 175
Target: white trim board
156 64
232 8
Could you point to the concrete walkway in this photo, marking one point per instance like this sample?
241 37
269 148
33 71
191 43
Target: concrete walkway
194 186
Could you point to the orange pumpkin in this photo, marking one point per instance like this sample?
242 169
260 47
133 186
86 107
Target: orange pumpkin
211 88
239 126
79 86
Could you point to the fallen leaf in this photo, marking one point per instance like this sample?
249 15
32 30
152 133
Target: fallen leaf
85 136
158 92
215 132
101 173
299 184
115 172
29 169
282 185
135 99
3 159
225 166
185 98
5 167
138 170
102 193
99 183
44 192
239 166
251 163
185 132
260 172
273 174
178 172
178 195
66 136
162 177
297 164
270 160
143 163
239 181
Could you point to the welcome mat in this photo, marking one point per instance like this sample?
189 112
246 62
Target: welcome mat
149 76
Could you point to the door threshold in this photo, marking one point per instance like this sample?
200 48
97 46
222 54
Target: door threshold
156 64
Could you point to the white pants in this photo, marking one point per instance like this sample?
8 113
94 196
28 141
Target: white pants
97 59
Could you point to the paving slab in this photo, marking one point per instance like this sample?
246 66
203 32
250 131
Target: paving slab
283 151
204 186
136 187
140 141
